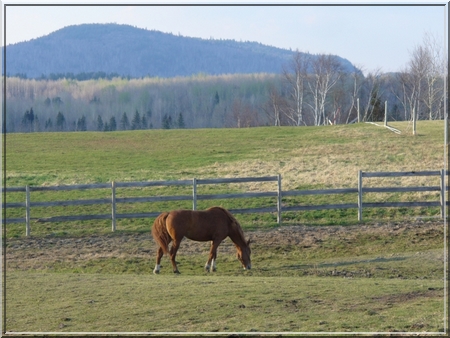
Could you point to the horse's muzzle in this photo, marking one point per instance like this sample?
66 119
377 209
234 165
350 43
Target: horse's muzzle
248 267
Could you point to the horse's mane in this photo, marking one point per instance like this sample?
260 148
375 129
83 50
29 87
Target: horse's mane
234 223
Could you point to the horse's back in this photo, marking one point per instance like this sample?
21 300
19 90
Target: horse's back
197 225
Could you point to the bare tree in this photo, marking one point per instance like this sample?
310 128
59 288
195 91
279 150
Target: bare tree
372 93
326 72
243 115
357 82
434 93
422 80
296 75
275 107
419 67
407 93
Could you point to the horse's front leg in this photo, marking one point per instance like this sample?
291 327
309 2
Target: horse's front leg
173 253
211 263
159 254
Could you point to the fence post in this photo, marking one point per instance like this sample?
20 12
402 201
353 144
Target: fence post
27 212
357 108
279 201
194 194
113 206
385 113
443 193
360 195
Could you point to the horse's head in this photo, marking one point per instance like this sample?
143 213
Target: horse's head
243 254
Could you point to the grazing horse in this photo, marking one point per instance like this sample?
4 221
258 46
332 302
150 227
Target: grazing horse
213 224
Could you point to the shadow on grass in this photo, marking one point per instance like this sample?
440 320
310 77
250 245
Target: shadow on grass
339 264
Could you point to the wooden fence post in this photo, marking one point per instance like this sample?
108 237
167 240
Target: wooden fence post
279 201
360 195
27 212
357 108
113 206
385 113
443 202
194 194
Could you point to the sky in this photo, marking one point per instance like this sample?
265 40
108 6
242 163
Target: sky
371 37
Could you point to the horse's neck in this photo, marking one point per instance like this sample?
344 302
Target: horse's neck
237 237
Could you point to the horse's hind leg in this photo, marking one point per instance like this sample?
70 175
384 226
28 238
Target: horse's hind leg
159 255
173 253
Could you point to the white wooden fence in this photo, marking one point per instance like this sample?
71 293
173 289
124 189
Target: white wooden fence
277 193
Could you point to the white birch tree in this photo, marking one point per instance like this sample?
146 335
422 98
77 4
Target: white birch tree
295 75
326 72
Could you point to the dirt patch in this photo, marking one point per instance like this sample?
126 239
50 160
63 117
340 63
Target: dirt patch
37 253
404 297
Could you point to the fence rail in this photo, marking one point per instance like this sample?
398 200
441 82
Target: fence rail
278 194
442 203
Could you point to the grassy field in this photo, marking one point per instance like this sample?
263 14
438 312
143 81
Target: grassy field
320 272
137 303
310 156
386 278
307 158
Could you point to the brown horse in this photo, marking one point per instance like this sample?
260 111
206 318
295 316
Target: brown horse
213 224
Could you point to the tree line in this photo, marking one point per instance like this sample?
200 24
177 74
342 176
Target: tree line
309 91
327 95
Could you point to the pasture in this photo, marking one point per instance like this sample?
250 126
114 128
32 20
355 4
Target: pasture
320 272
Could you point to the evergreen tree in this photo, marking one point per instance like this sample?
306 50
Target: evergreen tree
167 122
106 128
124 123
144 123
180 121
136 122
216 99
49 125
81 124
36 124
99 123
112 124
57 100
60 122
28 121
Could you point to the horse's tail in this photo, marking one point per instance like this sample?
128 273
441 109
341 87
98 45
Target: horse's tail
159 232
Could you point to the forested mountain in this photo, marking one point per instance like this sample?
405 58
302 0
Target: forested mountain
105 77
134 52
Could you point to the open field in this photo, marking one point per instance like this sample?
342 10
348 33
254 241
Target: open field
370 278
320 272
307 158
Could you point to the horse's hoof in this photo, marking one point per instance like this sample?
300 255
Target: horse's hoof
156 272
176 272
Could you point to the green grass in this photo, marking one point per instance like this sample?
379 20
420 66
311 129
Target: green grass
373 280
307 158
358 281
54 158
214 303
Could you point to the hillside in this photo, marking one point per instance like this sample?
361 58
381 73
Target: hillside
136 52
325 156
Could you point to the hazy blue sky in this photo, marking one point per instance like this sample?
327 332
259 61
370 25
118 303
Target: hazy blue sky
368 36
